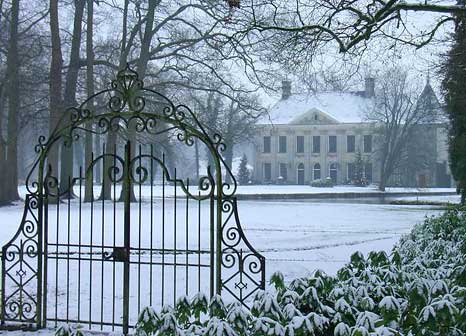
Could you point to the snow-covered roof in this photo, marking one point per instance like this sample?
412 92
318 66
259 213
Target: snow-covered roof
344 107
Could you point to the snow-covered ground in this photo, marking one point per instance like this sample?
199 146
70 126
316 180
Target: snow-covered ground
296 237
304 235
301 189
452 199
169 191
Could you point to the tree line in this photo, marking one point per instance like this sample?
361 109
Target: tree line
54 53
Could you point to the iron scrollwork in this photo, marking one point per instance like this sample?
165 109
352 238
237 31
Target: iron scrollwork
243 271
20 269
130 109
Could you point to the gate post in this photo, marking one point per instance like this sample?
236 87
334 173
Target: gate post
127 231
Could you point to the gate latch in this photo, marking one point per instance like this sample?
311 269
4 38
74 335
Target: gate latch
118 254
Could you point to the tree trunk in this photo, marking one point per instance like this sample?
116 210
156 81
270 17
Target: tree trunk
88 192
2 148
66 171
382 179
106 191
196 151
98 166
144 56
55 84
12 63
228 160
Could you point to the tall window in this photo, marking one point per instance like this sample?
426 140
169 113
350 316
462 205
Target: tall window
282 144
351 171
300 144
350 143
267 172
368 144
316 171
283 171
333 172
267 144
332 144
316 144
300 172
368 172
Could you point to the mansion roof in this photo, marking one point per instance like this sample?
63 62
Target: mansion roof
319 108
338 107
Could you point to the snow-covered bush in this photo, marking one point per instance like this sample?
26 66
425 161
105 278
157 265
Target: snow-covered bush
420 289
325 183
67 330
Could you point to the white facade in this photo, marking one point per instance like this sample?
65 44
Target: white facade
286 149
313 160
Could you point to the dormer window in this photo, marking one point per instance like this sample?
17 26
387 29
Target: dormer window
316 117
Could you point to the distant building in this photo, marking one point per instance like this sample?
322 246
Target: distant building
309 137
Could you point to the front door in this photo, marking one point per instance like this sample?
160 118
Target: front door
301 174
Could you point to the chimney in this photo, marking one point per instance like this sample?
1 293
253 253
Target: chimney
369 87
286 89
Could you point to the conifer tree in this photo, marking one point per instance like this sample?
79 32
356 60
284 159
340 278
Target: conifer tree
243 172
358 178
454 86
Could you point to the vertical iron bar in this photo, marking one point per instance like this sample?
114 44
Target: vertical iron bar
139 230
102 260
187 238
80 238
2 321
127 236
212 244
46 248
57 254
219 228
199 243
90 248
163 228
68 251
174 244
151 218
114 235
41 315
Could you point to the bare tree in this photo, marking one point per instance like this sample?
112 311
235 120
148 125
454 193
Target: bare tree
88 192
396 112
173 45
234 119
10 177
55 81
69 96
351 25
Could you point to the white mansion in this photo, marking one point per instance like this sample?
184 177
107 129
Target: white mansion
309 137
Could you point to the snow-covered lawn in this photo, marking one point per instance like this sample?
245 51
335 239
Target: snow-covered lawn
296 237
452 199
299 236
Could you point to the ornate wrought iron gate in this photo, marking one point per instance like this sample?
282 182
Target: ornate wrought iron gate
96 254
